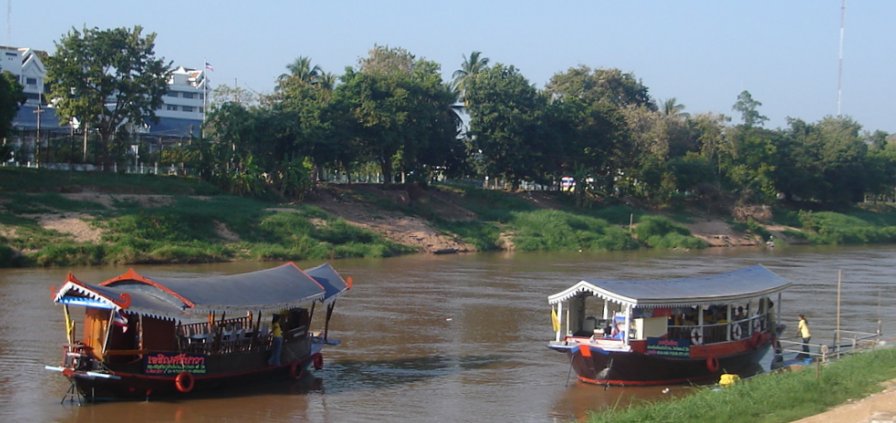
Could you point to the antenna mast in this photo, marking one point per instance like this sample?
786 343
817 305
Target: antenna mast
840 61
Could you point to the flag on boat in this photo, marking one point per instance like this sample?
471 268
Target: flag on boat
209 66
119 320
555 321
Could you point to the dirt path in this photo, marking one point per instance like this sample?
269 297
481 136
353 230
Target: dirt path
878 408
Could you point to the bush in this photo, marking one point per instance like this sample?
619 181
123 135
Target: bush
660 232
554 230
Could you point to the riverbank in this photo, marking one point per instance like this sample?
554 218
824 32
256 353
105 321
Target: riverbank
75 218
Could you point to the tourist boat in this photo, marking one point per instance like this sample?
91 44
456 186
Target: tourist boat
145 336
659 332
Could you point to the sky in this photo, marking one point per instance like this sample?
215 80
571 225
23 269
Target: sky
702 53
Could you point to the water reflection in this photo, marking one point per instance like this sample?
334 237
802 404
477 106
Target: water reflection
433 338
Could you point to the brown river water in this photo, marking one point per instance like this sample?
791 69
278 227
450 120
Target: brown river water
432 338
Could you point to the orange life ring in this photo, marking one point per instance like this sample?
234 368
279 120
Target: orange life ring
712 364
184 382
318 361
296 371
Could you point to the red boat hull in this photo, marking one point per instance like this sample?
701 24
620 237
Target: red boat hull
637 368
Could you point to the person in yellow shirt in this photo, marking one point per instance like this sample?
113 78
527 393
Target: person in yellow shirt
803 329
276 341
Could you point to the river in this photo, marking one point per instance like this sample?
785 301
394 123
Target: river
433 338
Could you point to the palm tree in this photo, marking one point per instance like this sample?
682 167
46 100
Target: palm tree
300 70
672 108
472 65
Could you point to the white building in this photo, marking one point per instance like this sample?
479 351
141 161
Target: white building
185 98
181 113
27 66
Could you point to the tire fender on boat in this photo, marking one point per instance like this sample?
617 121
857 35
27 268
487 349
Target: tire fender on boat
318 361
695 336
184 382
712 364
296 370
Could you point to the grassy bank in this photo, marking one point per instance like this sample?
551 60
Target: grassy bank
188 224
774 397
160 219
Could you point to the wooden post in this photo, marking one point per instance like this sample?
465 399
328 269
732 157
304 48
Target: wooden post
837 332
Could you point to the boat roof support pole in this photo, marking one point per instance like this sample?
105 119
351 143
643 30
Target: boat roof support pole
330 308
567 321
778 312
728 319
700 319
628 321
108 333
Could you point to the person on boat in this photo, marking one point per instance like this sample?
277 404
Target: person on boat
803 328
276 341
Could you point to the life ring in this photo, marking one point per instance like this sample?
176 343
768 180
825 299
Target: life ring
736 331
318 361
296 370
696 339
712 364
184 382
757 325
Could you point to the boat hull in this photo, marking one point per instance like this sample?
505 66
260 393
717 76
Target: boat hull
633 368
221 372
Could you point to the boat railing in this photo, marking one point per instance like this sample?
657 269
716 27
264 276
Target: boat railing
843 342
222 337
718 332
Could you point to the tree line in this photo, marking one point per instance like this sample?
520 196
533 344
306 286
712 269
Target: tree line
392 113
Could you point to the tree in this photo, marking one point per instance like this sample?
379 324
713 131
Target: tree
611 86
505 117
472 65
107 78
401 111
300 70
748 109
673 109
11 97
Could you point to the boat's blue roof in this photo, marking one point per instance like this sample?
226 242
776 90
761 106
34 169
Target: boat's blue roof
742 284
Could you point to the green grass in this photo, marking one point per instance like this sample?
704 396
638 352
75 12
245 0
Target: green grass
831 228
660 232
774 397
554 230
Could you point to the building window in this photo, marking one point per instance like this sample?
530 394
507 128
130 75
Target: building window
31 81
188 108
201 96
171 107
201 110
171 94
188 95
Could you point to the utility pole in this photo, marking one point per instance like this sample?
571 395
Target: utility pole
840 61
38 112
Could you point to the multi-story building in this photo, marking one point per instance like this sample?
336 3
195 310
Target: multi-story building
180 115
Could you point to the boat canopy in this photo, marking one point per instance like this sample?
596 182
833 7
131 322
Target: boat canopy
742 284
277 288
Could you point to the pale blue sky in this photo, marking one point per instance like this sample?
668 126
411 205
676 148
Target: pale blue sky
785 52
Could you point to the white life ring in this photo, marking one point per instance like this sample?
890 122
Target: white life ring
735 331
696 339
